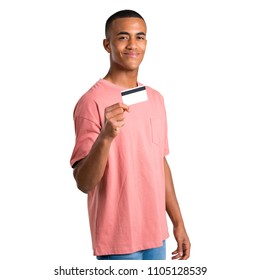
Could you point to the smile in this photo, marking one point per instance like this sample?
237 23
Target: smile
132 54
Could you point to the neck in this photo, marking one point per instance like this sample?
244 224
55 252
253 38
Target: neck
126 79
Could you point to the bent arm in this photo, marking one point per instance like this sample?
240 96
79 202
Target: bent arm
90 170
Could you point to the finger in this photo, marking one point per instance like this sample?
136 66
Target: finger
118 124
179 249
178 253
184 258
176 257
115 112
186 252
124 106
116 106
183 254
116 120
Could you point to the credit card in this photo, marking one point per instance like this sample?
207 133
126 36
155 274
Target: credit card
134 95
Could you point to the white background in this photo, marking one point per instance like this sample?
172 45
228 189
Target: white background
203 56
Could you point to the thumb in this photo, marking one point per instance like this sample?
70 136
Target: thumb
179 249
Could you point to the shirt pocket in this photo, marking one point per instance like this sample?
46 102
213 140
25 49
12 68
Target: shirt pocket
156 130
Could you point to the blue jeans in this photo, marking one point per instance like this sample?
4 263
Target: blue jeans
149 254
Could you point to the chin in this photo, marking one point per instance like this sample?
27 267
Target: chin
128 66
132 67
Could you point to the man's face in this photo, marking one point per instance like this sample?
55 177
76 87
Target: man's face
126 43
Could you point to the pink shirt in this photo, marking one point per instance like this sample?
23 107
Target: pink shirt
127 208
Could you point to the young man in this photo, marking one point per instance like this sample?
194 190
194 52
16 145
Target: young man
119 155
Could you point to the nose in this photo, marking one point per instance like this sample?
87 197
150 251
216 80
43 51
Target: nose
131 43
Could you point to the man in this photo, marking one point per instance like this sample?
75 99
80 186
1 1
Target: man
119 156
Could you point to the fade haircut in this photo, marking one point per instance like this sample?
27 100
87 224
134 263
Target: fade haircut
121 14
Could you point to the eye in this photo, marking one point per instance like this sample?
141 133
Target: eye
123 37
140 37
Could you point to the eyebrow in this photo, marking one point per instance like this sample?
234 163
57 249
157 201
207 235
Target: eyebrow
126 33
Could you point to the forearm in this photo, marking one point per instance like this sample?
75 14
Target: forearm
173 210
90 170
172 205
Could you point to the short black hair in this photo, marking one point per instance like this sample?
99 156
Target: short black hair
121 14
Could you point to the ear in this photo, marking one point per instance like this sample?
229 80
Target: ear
106 45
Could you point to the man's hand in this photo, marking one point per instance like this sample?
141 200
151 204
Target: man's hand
114 119
183 250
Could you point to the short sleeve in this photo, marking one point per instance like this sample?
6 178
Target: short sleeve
87 132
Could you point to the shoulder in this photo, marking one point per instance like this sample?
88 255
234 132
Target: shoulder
91 93
154 95
151 91
89 100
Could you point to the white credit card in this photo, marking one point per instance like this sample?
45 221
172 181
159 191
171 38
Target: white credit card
134 95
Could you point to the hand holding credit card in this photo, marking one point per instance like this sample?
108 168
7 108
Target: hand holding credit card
134 95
